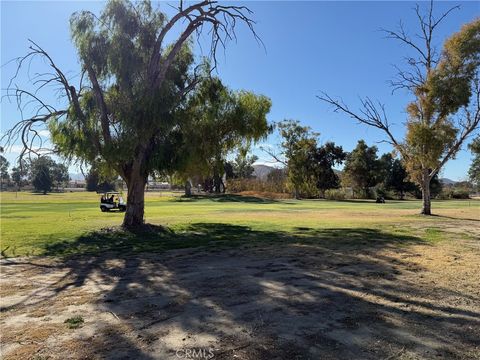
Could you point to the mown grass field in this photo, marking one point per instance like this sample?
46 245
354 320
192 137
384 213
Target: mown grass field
65 223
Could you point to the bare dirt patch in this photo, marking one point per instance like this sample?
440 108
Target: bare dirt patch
336 299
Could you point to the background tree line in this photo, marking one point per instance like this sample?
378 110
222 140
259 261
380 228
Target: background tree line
42 173
311 170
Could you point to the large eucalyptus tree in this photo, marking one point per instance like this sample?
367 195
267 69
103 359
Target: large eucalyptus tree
122 112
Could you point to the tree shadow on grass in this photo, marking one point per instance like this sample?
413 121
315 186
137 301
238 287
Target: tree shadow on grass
225 198
456 218
329 293
372 201
159 239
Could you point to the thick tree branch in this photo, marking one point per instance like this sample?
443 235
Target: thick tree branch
402 36
276 157
156 54
370 114
104 114
428 56
223 20
26 130
196 79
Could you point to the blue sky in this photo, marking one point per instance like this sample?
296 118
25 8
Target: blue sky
310 47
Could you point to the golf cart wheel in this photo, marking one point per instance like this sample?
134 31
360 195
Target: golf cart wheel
122 208
103 208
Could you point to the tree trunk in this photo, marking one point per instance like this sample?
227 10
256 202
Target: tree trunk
296 193
188 188
135 200
426 208
222 184
366 192
217 182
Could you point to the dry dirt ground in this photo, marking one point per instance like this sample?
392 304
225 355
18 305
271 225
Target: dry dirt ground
334 299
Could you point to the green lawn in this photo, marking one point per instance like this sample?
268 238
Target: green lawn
64 223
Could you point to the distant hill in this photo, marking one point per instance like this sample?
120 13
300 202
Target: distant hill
261 171
447 181
75 176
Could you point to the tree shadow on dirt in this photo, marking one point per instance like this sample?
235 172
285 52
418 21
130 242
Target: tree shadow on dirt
332 293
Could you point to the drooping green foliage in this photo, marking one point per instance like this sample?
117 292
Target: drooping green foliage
115 50
216 121
450 83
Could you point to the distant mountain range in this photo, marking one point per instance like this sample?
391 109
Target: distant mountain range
447 181
76 176
261 171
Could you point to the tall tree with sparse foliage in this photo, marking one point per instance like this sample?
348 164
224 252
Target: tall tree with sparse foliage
474 171
446 90
298 144
133 79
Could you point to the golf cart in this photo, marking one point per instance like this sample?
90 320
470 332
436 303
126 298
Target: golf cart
112 201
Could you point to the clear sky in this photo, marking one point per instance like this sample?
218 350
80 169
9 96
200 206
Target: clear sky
310 47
